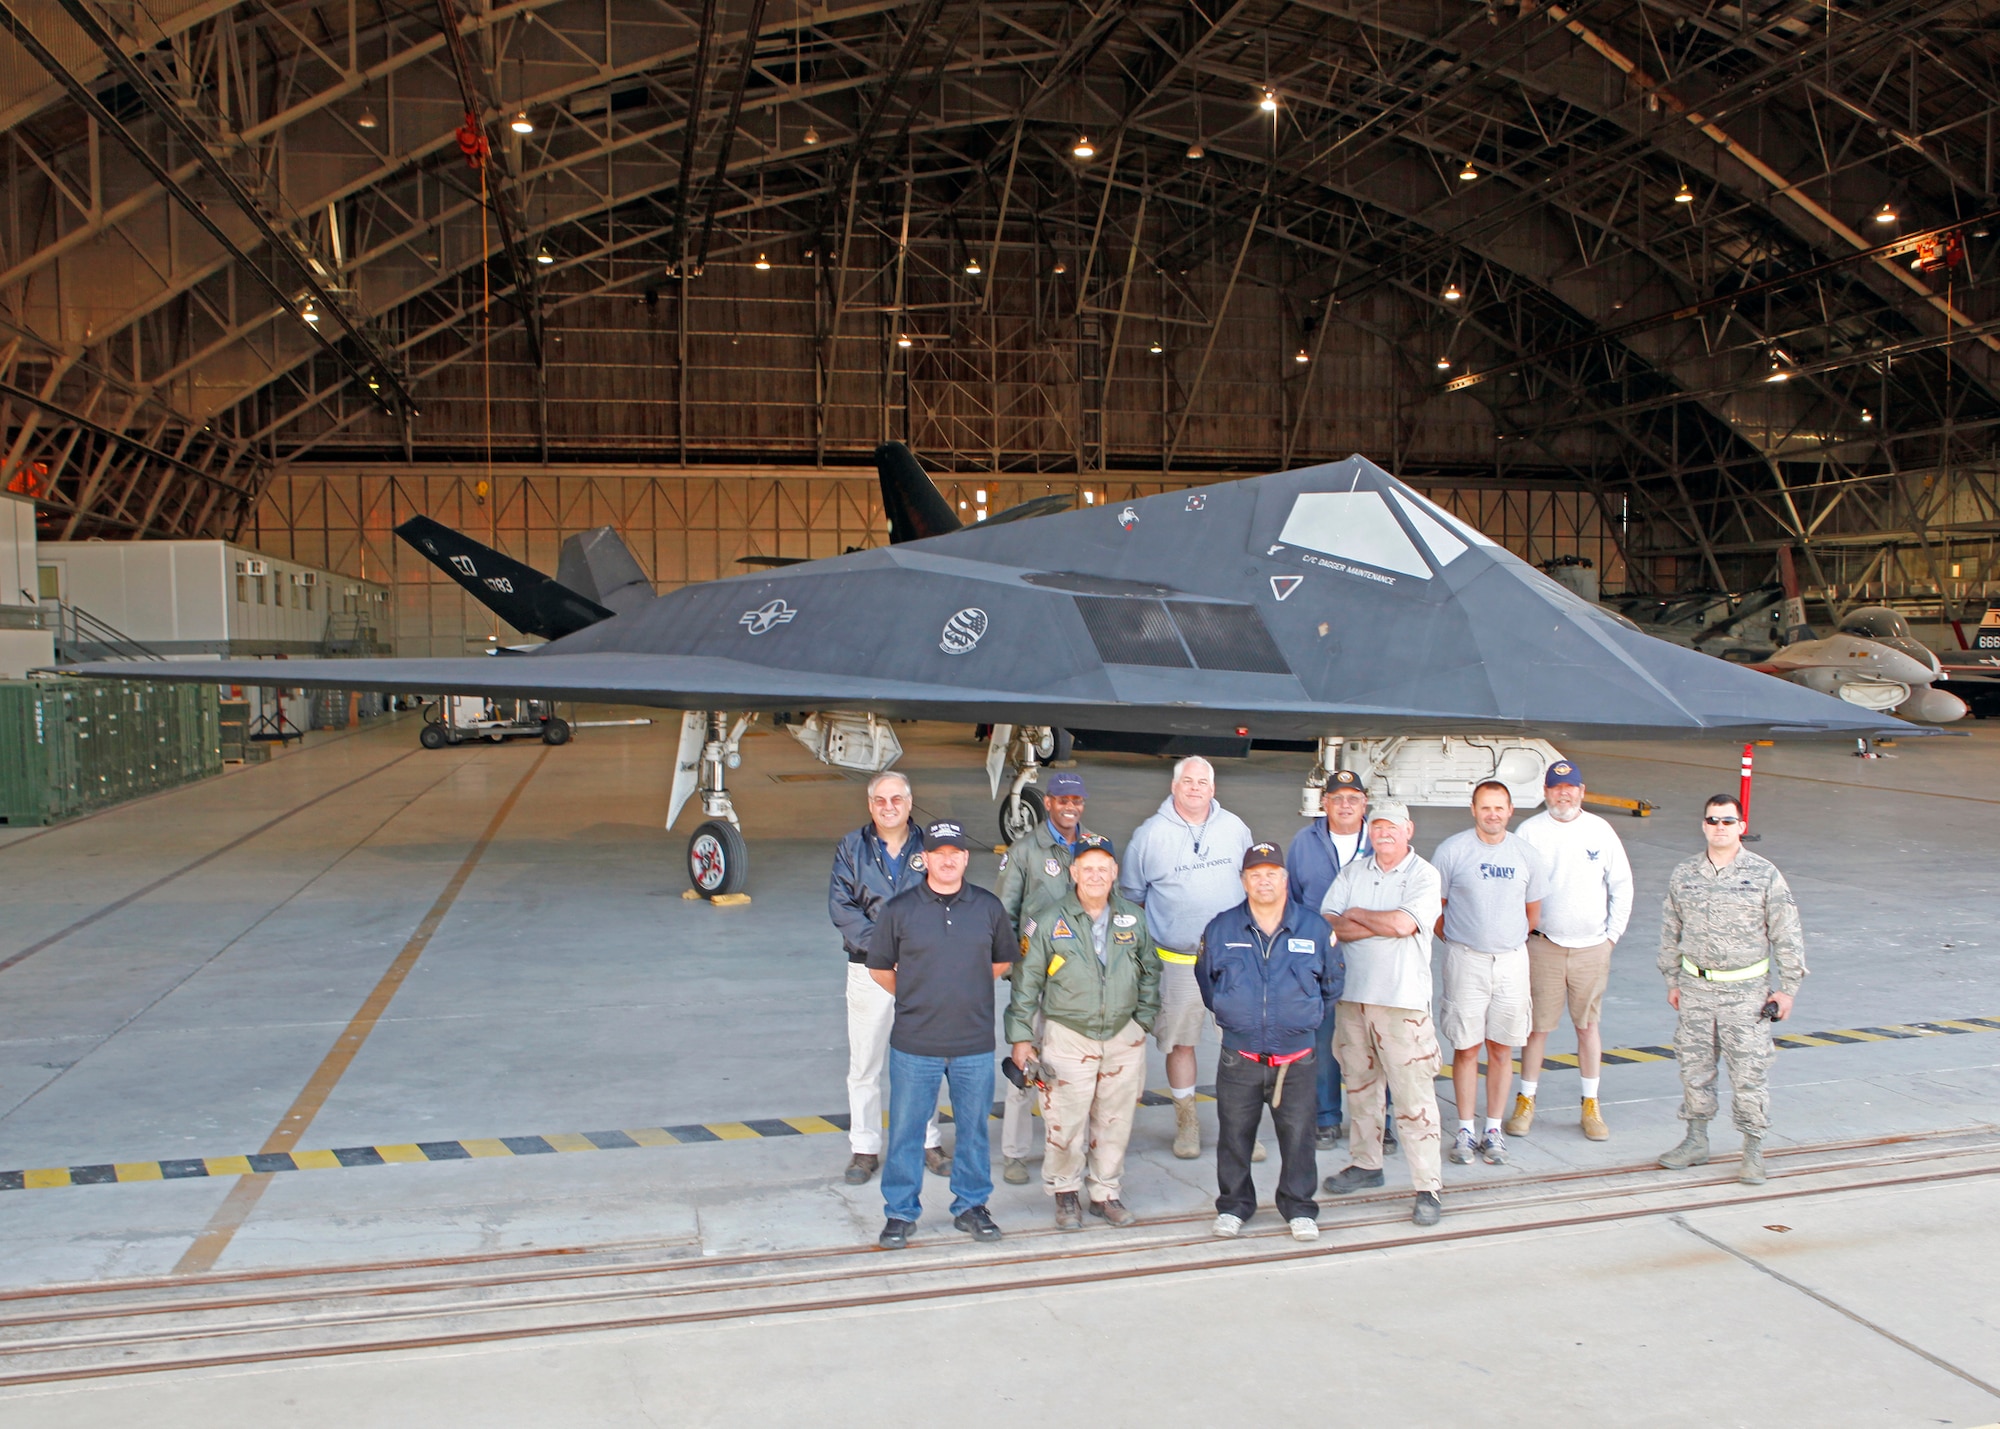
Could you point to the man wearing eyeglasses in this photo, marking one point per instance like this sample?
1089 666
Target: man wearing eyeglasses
1733 955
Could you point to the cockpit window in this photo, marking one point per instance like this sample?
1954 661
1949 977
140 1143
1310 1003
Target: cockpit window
1445 547
1353 526
1877 623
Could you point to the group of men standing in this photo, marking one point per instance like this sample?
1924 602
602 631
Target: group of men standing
1313 962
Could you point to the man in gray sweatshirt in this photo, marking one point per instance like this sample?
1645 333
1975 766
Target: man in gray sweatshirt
1184 866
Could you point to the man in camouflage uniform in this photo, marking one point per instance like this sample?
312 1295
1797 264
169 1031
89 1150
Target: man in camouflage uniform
1728 914
1034 882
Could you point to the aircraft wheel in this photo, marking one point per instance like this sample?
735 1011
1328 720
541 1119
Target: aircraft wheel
1019 814
718 859
432 736
555 731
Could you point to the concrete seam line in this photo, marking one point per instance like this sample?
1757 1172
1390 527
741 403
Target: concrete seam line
1839 1309
133 897
244 1195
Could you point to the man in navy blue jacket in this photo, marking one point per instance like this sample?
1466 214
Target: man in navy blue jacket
1270 972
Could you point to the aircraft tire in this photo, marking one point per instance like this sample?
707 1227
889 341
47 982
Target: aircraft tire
1019 816
432 736
555 731
718 859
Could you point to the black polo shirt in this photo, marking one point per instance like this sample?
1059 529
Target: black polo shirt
943 950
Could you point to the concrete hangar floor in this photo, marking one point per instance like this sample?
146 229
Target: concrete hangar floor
564 1154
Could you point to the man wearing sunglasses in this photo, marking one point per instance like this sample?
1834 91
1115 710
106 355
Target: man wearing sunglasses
1733 955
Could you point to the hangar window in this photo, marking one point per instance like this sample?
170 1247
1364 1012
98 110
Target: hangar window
1355 526
1445 547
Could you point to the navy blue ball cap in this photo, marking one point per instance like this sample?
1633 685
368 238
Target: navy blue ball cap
1263 856
1345 779
1094 843
1562 772
946 834
1065 783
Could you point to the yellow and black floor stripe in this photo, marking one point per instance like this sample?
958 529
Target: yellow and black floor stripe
697 1133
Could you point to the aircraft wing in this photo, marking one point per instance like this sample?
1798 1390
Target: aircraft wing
1333 600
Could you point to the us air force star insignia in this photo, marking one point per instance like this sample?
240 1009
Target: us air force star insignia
1051 868
765 616
1282 586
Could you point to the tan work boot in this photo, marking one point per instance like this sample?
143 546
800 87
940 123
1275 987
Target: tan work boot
1593 1121
1187 1129
1523 1117
1752 1171
1693 1150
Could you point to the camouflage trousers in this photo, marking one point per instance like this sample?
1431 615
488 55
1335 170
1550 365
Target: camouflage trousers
1093 1091
1720 1024
1390 1053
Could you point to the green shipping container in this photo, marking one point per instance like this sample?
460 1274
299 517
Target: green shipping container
70 746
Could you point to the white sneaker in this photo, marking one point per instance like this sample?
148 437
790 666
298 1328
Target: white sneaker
1463 1150
1305 1228
1227 1226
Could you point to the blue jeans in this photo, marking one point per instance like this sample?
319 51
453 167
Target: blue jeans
913 1096
1328 1081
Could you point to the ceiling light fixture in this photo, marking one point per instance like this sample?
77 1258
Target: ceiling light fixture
367 120
1885 214
521 123
311 313
763 264
1061 267
1451 293
1683 194
1269 103
1468 173
902 339
1155 348
1444 364
972 267
1195 151
1302 356
1867 416
543 256
1778 372
811 135
1083 148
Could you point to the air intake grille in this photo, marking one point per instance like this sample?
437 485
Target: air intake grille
1165 635
1227 637
1132 632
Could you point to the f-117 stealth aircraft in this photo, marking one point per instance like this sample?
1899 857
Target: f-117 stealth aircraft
1322 604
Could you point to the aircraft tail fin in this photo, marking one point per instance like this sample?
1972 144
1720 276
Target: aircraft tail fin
520 595
1793 622
600 566
915 506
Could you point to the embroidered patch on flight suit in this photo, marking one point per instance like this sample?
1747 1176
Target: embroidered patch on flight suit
1061 929
1124 937
1299 945
1051 868
916 863
1124 920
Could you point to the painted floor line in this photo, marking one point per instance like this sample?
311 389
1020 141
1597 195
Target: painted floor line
278 1157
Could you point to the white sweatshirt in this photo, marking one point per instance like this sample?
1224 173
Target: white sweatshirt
1184 878
1589 897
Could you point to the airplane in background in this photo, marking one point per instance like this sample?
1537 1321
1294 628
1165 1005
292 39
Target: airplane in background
1874 660
1332 604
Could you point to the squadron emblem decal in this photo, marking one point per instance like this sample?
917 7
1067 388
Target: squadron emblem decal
765 616
1128 518
963 631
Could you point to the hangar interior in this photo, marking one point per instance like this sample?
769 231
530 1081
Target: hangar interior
1684 296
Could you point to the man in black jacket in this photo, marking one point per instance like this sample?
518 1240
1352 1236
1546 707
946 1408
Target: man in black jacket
870 866
1271 973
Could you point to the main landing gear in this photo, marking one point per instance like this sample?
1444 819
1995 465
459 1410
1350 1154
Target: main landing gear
1025 746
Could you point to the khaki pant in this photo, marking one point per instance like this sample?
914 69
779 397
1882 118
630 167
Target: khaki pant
1392 1048
1094 1088
1561 977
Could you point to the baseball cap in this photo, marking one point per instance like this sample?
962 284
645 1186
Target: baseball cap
1345 779
1094 843
1263 856
1562 772
1065 783
1395 810
946 834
